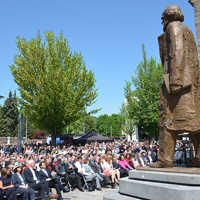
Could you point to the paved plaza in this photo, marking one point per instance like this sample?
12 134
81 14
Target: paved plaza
77 195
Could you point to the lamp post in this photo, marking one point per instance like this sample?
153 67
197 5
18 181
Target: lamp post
19 142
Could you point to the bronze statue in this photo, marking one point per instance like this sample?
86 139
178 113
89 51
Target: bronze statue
179 110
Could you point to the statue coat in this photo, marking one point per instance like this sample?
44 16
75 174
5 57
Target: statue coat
180 96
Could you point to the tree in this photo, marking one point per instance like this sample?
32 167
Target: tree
55 86
106 123
28 128
116 125
196 5
103 124
87 122
9 116
143 100
128 124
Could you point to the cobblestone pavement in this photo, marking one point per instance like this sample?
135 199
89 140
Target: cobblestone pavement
77 195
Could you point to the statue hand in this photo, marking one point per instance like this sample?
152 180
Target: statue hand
174 89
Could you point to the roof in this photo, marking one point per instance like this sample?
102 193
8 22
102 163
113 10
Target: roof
94 136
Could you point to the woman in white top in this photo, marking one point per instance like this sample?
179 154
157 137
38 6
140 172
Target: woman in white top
108 168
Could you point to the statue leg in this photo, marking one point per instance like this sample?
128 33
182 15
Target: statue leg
196 143
167 142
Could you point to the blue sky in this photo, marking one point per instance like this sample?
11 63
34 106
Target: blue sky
108 33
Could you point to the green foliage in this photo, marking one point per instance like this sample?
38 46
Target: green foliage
9 116
28 127
105 122
88 122
128 124
143 100
116 123
55 86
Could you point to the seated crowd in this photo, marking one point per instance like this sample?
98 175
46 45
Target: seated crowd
32 173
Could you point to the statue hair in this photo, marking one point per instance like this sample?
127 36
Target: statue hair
173 13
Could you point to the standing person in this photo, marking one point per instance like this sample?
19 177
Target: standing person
6 186
21 185
179 97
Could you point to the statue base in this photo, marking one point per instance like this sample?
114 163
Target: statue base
183 170
157 184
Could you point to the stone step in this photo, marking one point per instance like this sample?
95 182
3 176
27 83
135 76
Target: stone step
115 195
166 177
157 191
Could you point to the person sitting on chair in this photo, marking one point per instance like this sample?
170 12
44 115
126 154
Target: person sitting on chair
6 186
21 185
31 177
97 168
73 175
46 177
90 174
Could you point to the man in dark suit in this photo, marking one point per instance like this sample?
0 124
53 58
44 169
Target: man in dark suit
31 177
72 174
45 176
21 185
96 167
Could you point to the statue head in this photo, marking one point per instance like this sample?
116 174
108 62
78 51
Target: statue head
172 13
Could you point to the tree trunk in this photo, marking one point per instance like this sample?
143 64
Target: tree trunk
196 5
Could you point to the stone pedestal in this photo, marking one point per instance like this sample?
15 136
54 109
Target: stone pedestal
157 185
